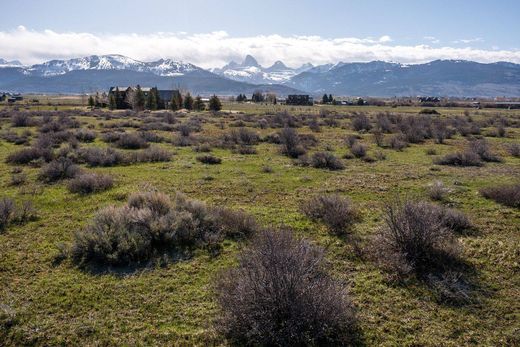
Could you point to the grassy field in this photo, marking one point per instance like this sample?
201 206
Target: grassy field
48 302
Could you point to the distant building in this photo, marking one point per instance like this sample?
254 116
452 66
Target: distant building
123 101
301 100
429 99
3 97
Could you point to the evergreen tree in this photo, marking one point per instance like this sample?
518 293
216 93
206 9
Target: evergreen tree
214 104
325 99
198 104
176 101
151 101
91 102
139 99
119 99
330 98
188 102
112 104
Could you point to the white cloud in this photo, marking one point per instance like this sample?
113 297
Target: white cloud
217 48
466 41
432 39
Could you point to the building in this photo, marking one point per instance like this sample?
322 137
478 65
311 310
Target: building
301 100
123 99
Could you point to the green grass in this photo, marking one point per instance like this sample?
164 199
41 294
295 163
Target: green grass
59 304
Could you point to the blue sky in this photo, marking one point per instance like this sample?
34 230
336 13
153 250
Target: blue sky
459 25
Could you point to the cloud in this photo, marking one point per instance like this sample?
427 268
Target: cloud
432 39
218 48
466 41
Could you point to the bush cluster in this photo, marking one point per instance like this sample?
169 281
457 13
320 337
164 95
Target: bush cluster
150 223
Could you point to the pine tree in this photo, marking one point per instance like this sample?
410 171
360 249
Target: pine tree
119 99
325 99
198 104
188 102
214 104
91 102
139 99
330 98
151 102
176 101
112 104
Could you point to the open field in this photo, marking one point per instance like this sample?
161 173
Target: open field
47 299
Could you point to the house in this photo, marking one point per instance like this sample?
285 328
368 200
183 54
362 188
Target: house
428 99
123 102
301 100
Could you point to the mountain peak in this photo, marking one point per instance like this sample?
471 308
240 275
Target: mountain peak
250 61
278 65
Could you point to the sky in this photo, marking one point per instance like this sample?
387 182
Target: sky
212 33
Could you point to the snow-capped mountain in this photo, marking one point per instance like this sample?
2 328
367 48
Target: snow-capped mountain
252 72
97 73
162 67
5 63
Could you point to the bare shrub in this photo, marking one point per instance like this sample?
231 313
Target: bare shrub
481 148
358 150
414 240
290 142
280 294
84 135
12 213
379 138
508 195
131 141
59 169
360 122
21 119
102 157
398 143
246 150
209 159
466 158
18 179
151 155
27 155
151 223
89 183
351 140
514 149
338 213
326 160
437 191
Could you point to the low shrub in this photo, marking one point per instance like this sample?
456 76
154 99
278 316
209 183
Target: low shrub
414 240
27 155
281 294
102 157
358 150
84 135
398 143
13 213
514 150
338 213
437 191
326 160
151 155
209 159
89 183
151 223
481 148
467 158
508 195
360 122
290 142
131 141
58 169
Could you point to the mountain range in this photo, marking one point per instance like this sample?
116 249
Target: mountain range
455 78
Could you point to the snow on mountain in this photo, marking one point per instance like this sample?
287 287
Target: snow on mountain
162 67
252 72
14 63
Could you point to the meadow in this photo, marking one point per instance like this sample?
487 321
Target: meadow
268 169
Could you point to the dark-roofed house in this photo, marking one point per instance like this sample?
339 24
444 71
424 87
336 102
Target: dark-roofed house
300 100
